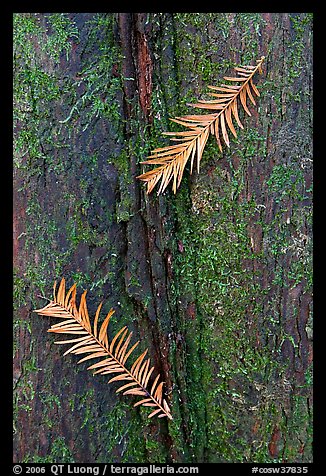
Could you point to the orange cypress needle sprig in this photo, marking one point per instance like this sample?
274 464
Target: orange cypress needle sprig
228 97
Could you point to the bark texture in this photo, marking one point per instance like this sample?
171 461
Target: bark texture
215 280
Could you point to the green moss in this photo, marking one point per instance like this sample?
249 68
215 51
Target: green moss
250 24
125 206
299 431
200 54
62 31
24 389
295 65
36 86
38 90
154 451
101 88
85 407
50 400
19 288
79 231
220 349
287 185
287 182
60 453
119 434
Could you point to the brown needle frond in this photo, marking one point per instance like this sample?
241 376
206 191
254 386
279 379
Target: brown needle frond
113 354
171 160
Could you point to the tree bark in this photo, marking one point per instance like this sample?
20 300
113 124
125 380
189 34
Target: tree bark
215 280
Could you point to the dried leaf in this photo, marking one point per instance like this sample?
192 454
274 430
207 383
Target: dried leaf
131 384
234 79
109 370
146 377
229 121
254 87
70 341
119 344
154 413
243 70
105 324
88 348
209 105
136 364
96 318
96 345
124 359
101 364
217 134
134 392
61 292
234 108
191 143
78 345
224 131
227 89
92 356
250 94
158 392
121 354
72 291
61 324
145 400
120 377
143 371
243 101
155 383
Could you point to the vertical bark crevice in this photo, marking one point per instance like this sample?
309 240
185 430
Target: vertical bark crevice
144 227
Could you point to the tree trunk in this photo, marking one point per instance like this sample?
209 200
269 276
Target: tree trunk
215 280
